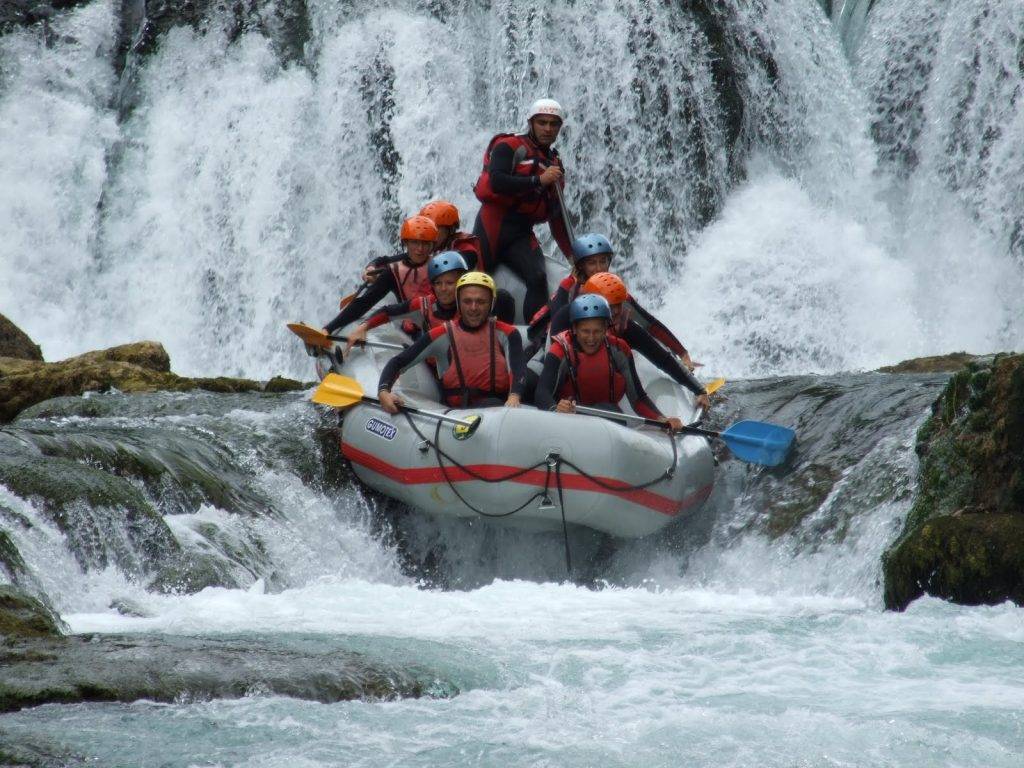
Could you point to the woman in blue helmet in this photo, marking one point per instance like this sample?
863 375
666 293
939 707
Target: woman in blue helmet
587 366
418 315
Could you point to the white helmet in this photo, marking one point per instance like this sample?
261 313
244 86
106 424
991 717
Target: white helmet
546 107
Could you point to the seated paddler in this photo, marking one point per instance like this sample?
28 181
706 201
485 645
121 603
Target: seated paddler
586 365
418 315
479 358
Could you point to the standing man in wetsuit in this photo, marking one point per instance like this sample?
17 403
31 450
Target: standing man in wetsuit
516 191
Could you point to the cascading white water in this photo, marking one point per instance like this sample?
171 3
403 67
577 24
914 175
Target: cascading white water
241 193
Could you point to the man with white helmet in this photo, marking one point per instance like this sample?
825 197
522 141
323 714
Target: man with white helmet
517 190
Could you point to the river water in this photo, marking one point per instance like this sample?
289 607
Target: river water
804 195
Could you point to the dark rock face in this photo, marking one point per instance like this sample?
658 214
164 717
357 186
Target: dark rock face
14 342
166 669
22 615
964 537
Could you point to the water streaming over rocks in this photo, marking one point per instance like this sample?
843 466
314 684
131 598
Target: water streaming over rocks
801 199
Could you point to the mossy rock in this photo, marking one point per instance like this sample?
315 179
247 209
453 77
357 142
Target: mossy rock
140 367
191 573
972 469
10 558
14 342
22 615
972 559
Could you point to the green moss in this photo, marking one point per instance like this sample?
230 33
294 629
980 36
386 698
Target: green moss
22 615
972 468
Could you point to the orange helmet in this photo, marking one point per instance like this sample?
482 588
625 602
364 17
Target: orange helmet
608 285
419 228
442 213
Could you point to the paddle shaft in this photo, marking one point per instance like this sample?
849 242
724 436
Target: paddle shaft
565 214
368 343
644 420
418 412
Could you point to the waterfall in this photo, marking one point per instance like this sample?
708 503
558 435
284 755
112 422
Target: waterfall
238 184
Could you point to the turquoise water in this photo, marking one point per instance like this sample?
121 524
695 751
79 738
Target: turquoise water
555 675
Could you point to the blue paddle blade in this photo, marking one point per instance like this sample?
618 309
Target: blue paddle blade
758 442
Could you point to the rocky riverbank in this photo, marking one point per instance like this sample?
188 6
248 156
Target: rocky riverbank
964 537
26 379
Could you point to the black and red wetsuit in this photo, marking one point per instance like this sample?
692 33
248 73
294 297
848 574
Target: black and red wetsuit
512 202
643 342
599 379
402 278
467 245
423 311
477 366
567 290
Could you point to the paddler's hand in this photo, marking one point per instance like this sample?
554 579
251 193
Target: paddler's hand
704 402
370 274
550 175
358 336
513 401
674 424
389 402
565 406
689 362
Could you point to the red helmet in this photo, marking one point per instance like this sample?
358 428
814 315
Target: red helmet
608 285
442 213
419 228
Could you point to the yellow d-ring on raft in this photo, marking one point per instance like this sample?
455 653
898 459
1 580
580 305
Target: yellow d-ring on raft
461 432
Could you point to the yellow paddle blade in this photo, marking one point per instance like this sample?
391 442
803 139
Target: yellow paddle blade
338 391
714 386
310 335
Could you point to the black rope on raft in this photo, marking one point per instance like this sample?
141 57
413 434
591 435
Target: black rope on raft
553 463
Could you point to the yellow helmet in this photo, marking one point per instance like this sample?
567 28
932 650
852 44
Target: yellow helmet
477 278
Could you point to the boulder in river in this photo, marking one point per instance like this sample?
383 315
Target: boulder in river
964 537
15 343
169 668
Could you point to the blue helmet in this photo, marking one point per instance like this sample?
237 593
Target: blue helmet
590 245
445 261
589 305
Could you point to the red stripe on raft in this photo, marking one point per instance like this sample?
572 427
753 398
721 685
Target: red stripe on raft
537 477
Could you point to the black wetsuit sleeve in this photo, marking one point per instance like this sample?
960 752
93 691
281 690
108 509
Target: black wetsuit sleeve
638 397
516 362
403 360
550 382
656 328
503 179
642 342
539 323
559 321
362 304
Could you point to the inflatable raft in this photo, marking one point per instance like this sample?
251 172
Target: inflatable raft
528 468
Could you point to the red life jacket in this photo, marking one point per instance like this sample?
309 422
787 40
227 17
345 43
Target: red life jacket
528 160
411 281
477 365
592 379
428 306
469 246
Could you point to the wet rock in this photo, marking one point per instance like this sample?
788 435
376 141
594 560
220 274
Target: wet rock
14 342
964 537
937 364
12 566
281 384
23 13
22 615
191 573
140 367
167 669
